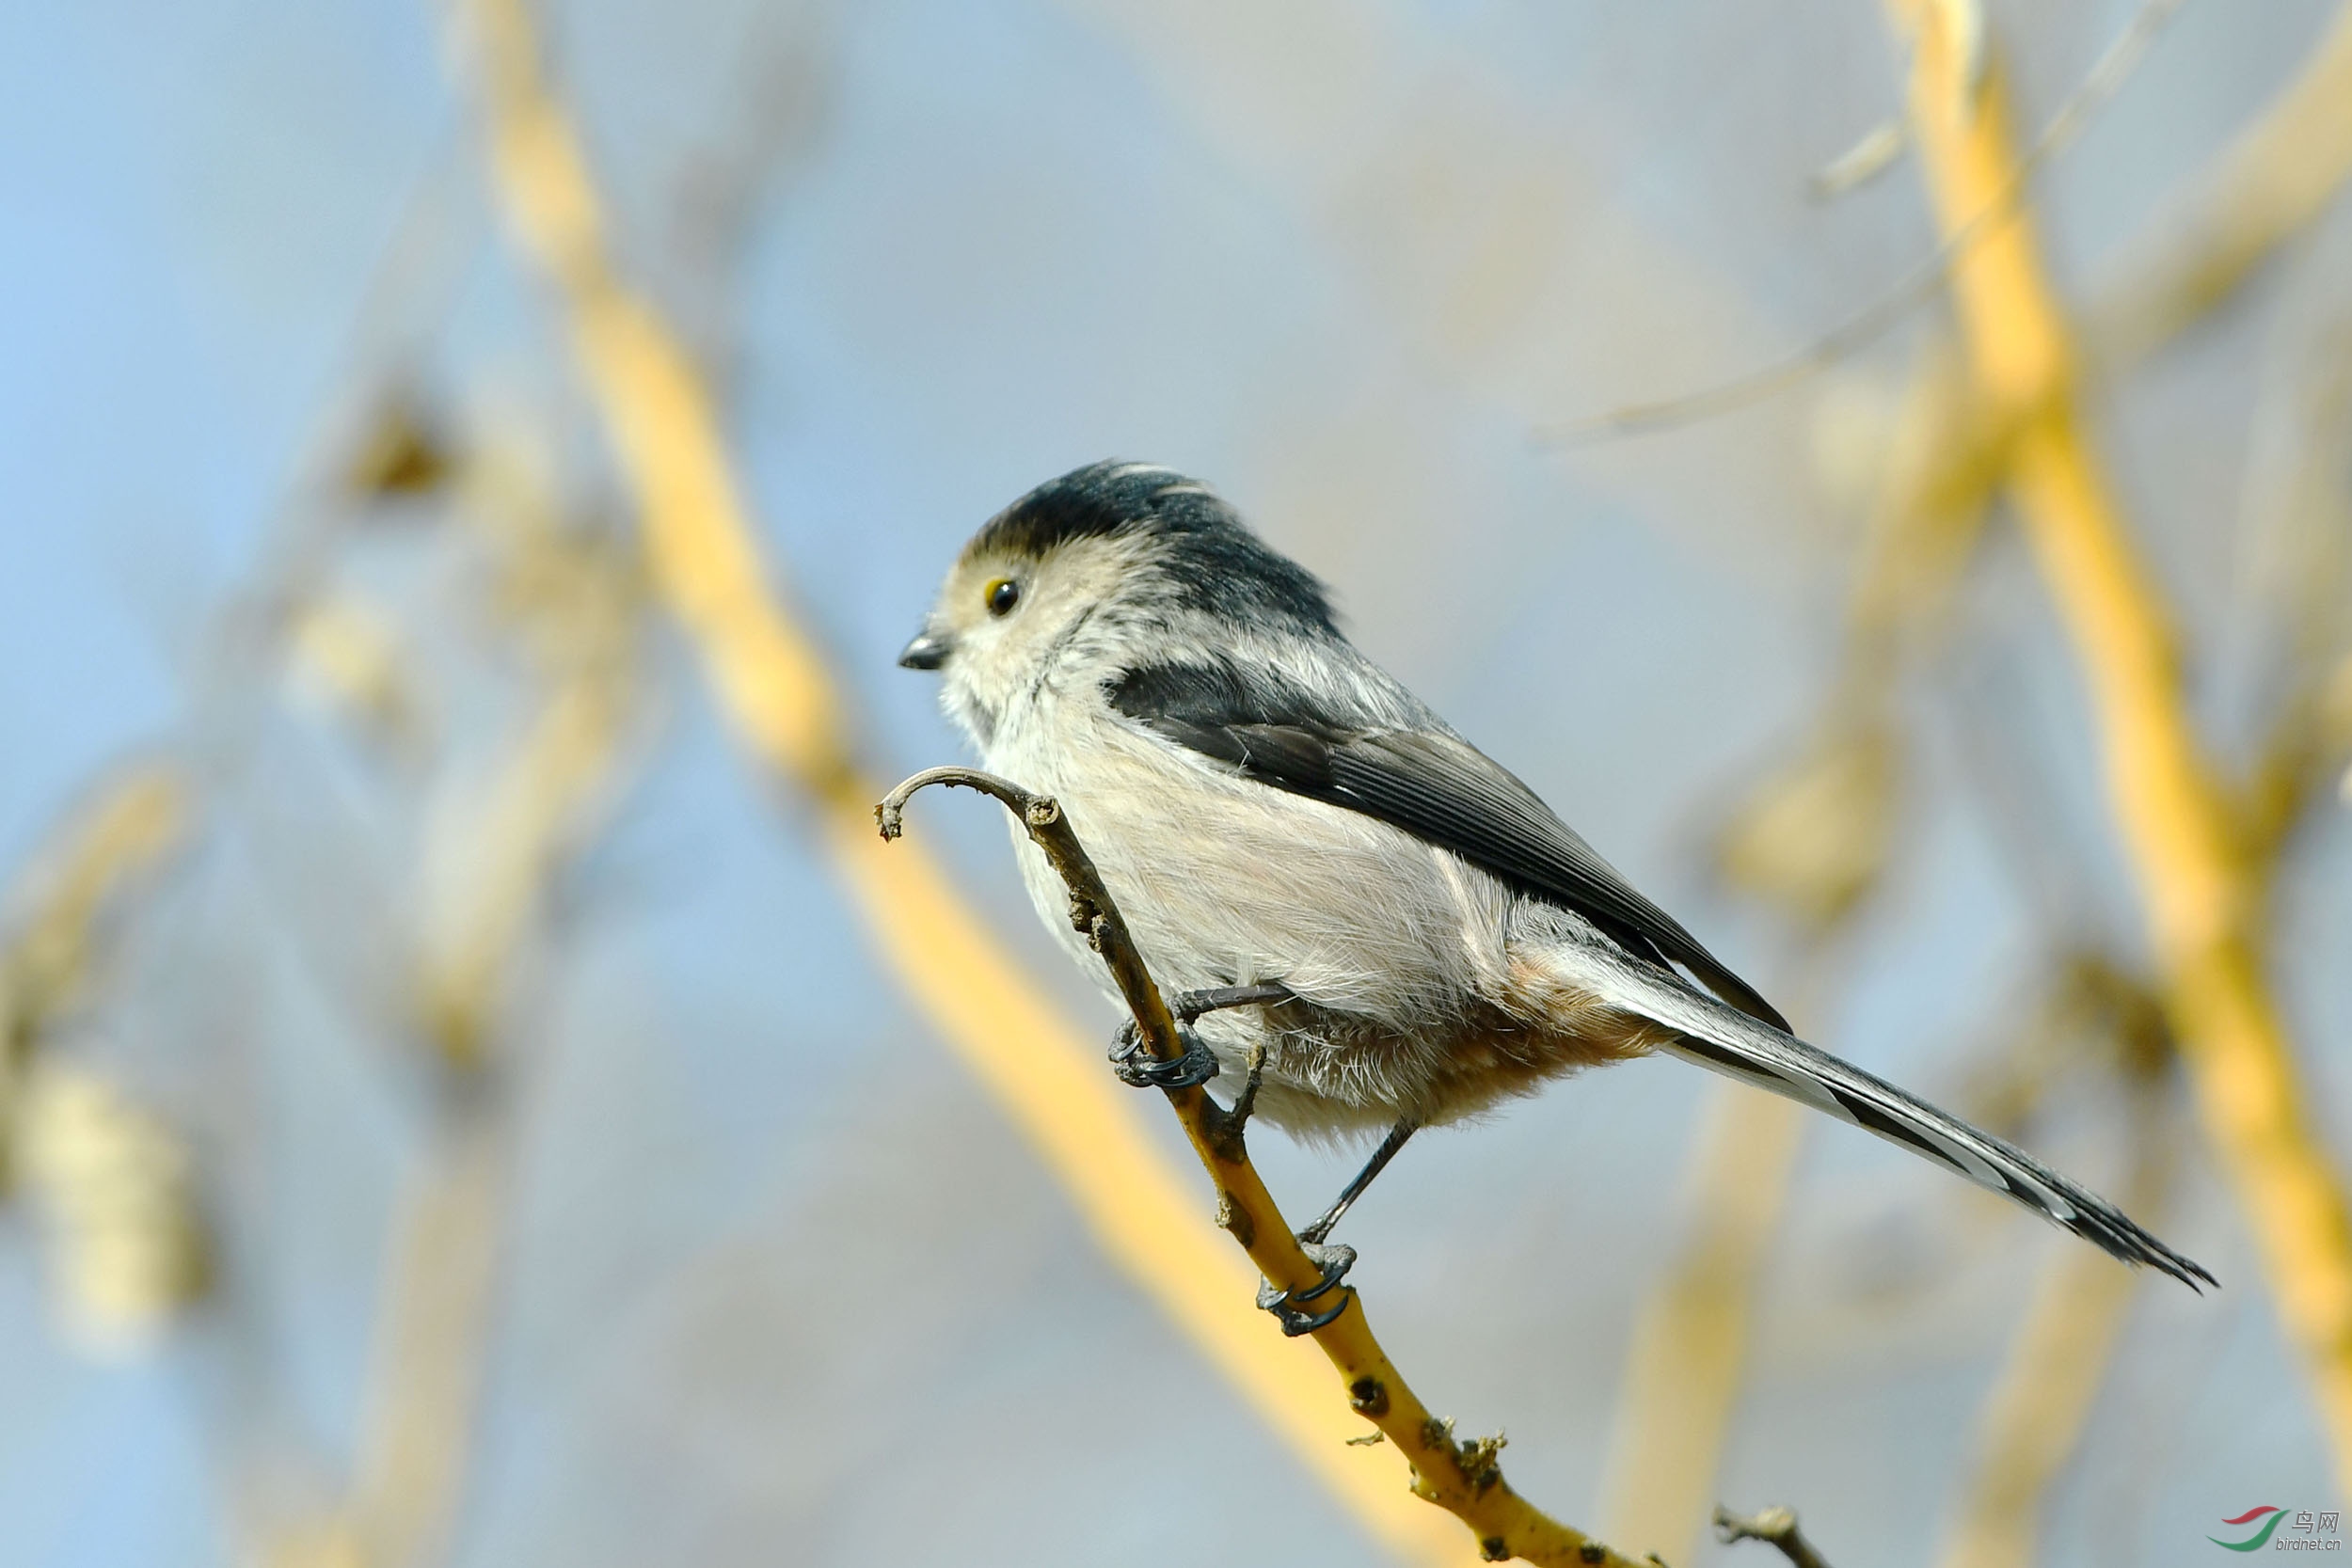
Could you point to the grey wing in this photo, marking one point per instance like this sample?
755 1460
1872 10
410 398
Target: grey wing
1422 778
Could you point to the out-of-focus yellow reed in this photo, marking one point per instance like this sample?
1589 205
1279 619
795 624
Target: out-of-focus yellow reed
344 655
132 824
431 1328
2201 893
1951 449
1812 841
2033 1419
112 1178
1689 1352
115 1185
574 601
2272 181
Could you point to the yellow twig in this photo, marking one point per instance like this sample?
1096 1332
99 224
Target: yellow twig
1462 1477
129 1249
1775 1526
774 691
1812 841
1957 22
2034 1417
1689 1354
2279 175
2199 890
576 602
349 659
114 1179
433 1323
575 605
130 825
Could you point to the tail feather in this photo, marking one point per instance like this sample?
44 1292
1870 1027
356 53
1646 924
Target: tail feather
1739 1046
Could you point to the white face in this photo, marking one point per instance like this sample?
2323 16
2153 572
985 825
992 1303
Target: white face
1002 622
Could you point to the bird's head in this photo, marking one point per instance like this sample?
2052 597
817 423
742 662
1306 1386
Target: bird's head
1092 573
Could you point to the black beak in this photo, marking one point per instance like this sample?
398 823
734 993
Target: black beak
928 651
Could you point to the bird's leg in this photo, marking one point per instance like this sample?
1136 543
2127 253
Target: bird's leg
1137 1067
1290 1307
1192 1004
1404 1129
1189 1005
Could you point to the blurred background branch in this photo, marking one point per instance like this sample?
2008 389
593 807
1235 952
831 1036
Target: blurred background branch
128 1249
2170 807
2273 181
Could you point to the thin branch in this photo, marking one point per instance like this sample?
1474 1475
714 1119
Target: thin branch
122 833
1463 1478
2032 1422
2200 889
1091 910
130 1249
2033 1419
1813 840
2276 178
1689 1353
435 1327
429 1341
2107 76
2280 173
1775 1526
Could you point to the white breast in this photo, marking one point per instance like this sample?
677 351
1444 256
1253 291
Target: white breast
1227 881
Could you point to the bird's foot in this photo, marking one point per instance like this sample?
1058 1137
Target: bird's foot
1137 1067
1291 1308
1140 1069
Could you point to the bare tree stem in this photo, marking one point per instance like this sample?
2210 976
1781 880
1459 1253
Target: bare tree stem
1775 1526
1461 1477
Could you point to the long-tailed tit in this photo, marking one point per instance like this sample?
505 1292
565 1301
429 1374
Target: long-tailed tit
1385 925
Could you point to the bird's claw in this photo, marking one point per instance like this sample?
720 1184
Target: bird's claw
1138 1068
1290 1308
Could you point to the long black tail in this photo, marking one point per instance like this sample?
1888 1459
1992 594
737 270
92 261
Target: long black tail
1719 1037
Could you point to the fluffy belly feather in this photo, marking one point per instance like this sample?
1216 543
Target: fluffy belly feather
1423 989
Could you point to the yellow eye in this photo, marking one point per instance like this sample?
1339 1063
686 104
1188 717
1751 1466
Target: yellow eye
1001 596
